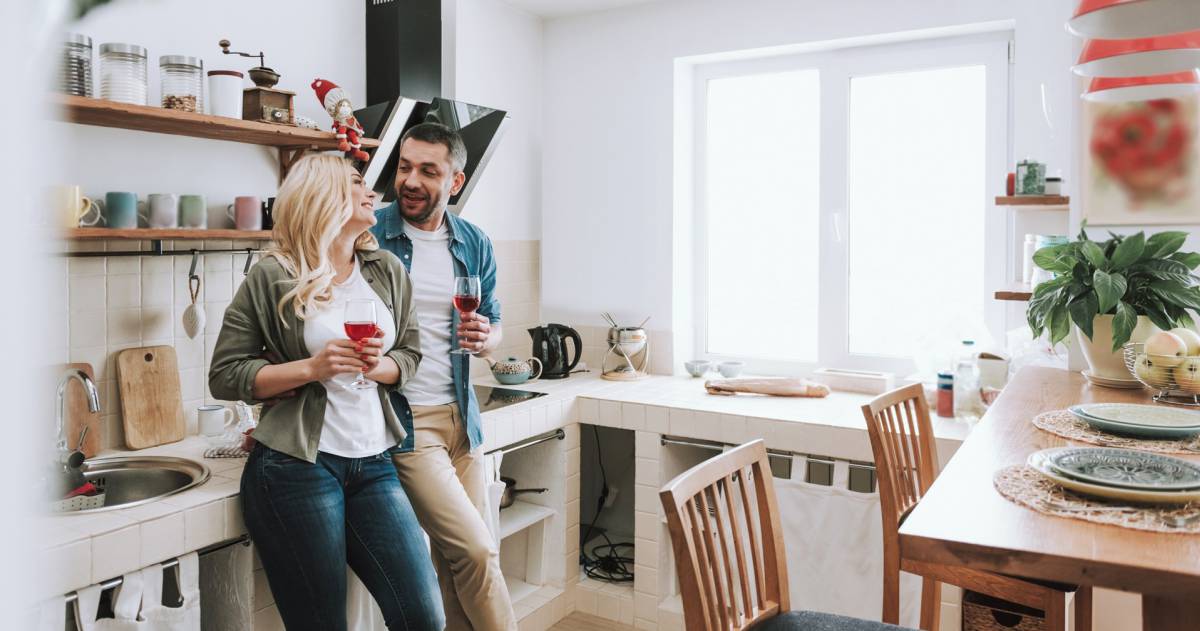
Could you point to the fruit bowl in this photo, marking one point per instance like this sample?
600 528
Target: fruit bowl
1174 378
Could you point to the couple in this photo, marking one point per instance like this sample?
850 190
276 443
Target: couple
342 476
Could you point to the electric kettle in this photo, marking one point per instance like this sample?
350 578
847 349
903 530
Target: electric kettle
550 348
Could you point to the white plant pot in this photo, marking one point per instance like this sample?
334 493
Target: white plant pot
1102 361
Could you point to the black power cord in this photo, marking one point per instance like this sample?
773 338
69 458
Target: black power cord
605 562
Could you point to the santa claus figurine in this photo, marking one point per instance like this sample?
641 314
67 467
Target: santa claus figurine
337 103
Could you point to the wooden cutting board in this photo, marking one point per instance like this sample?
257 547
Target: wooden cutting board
79 416
151 407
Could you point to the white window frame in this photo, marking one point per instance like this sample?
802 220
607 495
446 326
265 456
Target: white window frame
836 68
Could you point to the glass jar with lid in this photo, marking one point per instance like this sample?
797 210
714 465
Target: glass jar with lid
181 81
123 73
75 71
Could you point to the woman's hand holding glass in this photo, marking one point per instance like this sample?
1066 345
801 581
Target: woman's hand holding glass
346 357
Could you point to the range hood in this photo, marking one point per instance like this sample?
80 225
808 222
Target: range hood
404 69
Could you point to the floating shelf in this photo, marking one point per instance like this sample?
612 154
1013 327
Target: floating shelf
1033 200
103 113
520 516
165 234
1017 292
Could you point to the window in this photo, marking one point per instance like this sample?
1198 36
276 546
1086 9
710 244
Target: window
843 203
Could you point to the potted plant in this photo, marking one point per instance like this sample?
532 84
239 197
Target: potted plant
1114 291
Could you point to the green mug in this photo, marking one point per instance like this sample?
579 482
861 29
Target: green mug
193 211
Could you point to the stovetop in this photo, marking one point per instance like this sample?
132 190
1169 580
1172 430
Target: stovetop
492 398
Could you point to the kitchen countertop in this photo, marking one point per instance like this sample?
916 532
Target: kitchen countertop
82 549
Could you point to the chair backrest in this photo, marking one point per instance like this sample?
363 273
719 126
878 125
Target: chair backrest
728 543
905 452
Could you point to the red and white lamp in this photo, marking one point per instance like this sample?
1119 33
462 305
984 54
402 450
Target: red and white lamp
1140 49
1164 86
1125 19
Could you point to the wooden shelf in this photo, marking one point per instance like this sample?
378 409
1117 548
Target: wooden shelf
1033 200
103 113
1016 292
520 516
160 234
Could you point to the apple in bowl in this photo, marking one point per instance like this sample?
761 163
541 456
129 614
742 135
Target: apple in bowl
1151 372
1187 375
1166 349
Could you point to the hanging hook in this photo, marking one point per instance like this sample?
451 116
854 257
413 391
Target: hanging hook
195 259
249 261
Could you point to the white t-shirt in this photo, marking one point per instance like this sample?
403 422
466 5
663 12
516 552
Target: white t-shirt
354 425
432 274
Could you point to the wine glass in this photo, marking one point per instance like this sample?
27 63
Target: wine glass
360 325
466 299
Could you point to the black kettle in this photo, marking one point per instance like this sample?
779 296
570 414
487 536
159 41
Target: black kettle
550 348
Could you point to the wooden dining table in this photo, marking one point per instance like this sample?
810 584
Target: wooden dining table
964 521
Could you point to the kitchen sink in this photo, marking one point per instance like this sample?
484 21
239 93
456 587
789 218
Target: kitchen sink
132 480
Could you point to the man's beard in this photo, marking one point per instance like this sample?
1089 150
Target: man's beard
431 206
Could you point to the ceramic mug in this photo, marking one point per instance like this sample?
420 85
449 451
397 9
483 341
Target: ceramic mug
121 209
163 210
193 211
74 207
213 420
245 212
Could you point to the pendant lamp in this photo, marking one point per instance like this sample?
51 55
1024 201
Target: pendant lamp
1164 86
1124 19
1139 57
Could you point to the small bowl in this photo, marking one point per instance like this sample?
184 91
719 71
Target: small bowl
729 370
697 367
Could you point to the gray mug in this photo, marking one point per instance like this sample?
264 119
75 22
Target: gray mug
163 210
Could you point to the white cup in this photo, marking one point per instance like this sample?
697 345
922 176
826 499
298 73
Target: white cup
212 420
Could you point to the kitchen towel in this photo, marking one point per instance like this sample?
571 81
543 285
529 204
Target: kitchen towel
184 617
495 489
227 582
834 542
127 601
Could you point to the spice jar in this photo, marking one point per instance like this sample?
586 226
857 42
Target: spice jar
181 82
1031 177
123 73
75 73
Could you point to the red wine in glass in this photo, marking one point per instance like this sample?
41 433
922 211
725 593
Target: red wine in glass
360 324
467 296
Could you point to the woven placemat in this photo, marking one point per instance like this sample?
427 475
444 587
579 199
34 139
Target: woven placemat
1024 486
1065 424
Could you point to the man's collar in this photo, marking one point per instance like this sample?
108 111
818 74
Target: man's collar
394 223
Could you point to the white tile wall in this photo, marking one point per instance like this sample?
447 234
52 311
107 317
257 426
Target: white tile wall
114 303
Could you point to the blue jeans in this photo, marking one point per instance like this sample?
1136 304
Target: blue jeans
309 520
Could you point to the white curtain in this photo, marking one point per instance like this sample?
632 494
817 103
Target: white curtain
834 542
127 602
185 617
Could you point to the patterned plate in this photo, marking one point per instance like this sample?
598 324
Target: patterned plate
1148 421
1037 462
1125 468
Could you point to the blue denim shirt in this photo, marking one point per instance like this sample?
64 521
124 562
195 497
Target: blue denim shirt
471 250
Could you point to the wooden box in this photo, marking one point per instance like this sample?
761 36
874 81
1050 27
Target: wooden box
985 613
269 105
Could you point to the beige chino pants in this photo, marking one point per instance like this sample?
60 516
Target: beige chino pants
447 485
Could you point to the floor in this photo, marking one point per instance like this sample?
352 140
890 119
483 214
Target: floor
584 622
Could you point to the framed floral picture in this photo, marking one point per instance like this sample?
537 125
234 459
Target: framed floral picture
1141 163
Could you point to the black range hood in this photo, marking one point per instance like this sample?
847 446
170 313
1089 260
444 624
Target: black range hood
404 74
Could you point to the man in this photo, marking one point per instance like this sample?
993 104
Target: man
441 462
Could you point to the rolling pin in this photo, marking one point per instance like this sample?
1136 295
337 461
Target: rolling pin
777 387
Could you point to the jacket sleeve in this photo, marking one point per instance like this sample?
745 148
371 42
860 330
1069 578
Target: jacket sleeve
237 357
406 352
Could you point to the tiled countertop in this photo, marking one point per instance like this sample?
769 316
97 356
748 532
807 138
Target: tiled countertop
79 550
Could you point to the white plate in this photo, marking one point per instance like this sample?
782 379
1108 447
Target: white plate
1108 382
1142 415
1037 461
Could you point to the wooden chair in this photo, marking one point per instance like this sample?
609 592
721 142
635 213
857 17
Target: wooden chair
729 554
906 465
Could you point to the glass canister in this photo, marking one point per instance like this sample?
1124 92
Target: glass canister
1031 177
75 73
123 73
181 81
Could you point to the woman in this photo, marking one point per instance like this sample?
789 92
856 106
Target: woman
319 489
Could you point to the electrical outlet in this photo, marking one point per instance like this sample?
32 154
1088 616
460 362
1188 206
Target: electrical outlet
612 497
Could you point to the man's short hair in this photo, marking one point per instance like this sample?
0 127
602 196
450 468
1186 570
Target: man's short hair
437 133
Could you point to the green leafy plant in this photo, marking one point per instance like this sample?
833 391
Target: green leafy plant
1125 276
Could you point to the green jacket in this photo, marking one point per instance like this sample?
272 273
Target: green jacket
252 328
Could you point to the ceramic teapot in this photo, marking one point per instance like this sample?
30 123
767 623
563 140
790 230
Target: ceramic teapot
513 371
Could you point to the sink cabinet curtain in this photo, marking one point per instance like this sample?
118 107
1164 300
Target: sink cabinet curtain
834 542
126 603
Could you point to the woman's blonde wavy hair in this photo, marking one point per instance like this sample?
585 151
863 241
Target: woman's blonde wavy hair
313 204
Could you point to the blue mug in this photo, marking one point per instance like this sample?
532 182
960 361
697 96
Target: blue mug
121 209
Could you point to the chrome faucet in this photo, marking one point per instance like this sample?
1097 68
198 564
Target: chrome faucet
62 451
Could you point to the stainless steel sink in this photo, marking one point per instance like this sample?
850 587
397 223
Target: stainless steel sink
132 480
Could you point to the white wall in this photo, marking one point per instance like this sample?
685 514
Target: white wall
497 63
608 226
